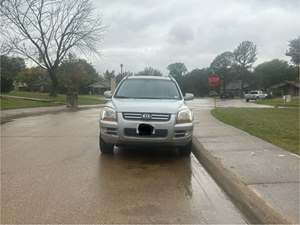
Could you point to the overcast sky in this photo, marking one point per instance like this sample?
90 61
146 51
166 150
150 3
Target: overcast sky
156 33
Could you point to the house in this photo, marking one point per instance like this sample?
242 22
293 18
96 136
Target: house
285 88
99 87
234 87
20 86
41 85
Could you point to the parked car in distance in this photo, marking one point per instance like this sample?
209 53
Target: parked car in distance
147 110
254 95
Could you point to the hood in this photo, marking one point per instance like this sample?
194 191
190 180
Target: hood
146 105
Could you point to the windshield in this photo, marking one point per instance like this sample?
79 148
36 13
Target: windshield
148 88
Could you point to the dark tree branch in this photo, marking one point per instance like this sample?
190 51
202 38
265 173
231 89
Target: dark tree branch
46 30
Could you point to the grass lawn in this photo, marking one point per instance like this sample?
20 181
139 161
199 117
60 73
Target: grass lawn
278 126
9 103
279 102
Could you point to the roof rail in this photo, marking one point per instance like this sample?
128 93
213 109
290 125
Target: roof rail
126 77
171 77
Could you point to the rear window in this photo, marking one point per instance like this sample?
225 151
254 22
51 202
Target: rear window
253 92
148 89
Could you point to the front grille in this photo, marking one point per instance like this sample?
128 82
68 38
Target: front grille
146 116
131 132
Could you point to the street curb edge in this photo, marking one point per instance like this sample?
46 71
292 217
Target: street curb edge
255 208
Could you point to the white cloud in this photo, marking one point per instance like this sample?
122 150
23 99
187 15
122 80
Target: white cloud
156 33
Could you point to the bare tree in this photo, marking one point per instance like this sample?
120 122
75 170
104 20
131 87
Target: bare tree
149 71
44 31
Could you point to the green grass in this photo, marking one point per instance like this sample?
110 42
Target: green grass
278 126
279 102
41 95
90 100
57 100
10 103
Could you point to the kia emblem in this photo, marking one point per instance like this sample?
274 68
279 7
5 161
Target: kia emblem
146 116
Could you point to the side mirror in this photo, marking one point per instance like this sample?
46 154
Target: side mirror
107 94
188 97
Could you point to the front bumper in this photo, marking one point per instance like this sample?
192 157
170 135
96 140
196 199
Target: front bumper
177 134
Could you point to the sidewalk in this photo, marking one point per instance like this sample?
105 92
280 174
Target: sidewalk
7 115
262 178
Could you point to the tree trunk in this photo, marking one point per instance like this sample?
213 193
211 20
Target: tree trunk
242 87
54 83
72 99
224 81
243 74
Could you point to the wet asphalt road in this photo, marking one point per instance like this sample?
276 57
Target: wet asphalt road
52 172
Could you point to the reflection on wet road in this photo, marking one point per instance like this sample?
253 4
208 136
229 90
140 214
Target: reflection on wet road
52 172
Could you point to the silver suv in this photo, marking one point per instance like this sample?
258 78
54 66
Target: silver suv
146 110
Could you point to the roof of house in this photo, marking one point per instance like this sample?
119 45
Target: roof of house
277 85
40 83
294 83
100 84
235 84
282 84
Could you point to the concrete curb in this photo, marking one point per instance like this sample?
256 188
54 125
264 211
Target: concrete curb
255 208
8 118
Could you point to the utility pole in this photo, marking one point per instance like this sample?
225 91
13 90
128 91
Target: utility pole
121 69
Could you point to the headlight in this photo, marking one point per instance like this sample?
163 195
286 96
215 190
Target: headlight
108 114
184 116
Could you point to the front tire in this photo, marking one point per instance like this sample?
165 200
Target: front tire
105 148
186 150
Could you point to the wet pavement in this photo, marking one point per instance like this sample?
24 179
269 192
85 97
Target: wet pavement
52 172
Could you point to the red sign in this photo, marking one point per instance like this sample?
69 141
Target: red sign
214 80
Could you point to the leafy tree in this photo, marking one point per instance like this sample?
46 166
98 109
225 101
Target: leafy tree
177 70
35 78
294 53
196 82
75 75
224 60
6 84
46 31
245 56
273 72
10 67
149 71
222 65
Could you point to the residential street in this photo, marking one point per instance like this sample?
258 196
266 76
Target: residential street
131 112
52 172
